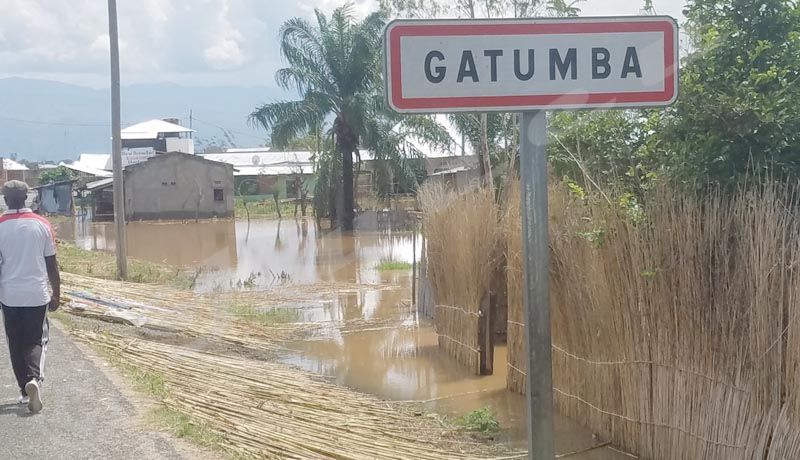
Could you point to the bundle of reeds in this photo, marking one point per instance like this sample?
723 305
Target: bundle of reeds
461 233
674 324
269 410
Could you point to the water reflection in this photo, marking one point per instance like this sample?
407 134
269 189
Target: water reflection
209 244
230 251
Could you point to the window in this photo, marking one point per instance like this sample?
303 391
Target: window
219 195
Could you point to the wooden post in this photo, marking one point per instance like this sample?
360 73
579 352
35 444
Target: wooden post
414 265
486 336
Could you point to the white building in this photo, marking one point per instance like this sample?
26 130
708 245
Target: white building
139 142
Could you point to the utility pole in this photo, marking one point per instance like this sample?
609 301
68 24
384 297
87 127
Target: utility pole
116 145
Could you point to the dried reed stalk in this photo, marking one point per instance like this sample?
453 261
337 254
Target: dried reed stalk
673 336
206 316
461 233
269 410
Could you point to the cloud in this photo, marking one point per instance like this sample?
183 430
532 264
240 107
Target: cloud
225 54
191 42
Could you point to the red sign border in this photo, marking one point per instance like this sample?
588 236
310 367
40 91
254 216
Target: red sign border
398 29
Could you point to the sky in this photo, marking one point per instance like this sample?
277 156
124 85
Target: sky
190 42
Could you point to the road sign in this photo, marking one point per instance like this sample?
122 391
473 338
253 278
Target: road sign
531 64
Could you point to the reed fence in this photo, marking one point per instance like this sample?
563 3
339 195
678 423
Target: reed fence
461 234
675 323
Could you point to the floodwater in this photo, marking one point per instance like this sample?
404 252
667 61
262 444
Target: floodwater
398 359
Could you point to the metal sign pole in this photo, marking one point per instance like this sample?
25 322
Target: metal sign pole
536 267
116 145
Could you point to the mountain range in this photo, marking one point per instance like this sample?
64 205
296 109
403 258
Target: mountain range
51 121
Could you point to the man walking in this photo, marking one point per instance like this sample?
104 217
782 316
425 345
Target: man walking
27 263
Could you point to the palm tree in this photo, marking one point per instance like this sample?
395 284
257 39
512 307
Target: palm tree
335 67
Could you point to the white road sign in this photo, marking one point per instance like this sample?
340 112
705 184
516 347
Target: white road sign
531 64
131 156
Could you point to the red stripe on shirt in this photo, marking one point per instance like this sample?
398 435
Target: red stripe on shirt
30 215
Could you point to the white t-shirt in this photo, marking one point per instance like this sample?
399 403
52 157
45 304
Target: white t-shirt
25 240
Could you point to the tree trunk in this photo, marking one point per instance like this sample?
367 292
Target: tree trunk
346 145
347 217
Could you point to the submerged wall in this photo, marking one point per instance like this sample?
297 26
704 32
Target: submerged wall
178 186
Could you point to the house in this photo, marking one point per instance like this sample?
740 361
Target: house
261 171
139 143
11 170
91 165
459 179
148 138
170 186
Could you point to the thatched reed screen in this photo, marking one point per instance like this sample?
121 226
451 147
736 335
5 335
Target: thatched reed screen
461 232
675 325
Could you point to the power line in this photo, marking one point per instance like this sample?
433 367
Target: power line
106 125
53 123
230 130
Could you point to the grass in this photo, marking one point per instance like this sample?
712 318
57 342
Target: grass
100 264
393 265
183 427
261 317
481 421
58 219
64 318
266 208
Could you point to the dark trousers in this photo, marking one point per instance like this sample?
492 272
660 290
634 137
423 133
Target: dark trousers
27 333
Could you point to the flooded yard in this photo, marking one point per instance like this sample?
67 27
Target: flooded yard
396 357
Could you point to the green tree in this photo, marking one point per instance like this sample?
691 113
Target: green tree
564 8
62 173
605 147
740 93
335 67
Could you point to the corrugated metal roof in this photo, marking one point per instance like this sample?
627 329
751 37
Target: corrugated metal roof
94 161
260 158
100 184
280 170
249 150
151 129
87 170
451 171
11 165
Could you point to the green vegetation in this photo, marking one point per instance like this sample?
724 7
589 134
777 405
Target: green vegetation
100 264
264 317
335 65
736 116
480 421
64 318
62 173
393 265
183 427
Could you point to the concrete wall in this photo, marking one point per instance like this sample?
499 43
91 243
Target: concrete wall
178 186
460 181
264 185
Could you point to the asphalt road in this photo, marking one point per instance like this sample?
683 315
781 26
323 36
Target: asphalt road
85 416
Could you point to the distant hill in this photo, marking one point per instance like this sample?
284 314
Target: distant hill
46 120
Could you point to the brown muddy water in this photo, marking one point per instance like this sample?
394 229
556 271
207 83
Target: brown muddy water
398 361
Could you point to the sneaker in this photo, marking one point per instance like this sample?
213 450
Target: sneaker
35 399
23 400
